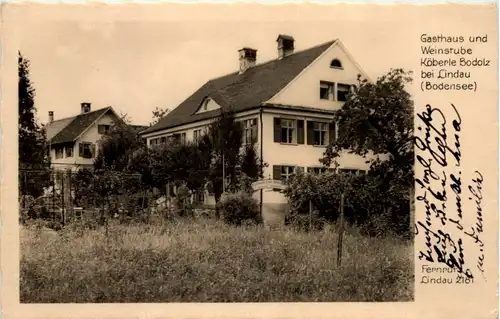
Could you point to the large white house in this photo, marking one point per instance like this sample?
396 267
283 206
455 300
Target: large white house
73 140
286 106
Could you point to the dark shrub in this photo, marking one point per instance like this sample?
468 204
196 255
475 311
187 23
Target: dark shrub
239 207
376 205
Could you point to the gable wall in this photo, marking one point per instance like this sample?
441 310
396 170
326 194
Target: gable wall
212 105
304 90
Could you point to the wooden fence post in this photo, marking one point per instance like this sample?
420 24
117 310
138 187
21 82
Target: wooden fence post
310 215
62 199
341 231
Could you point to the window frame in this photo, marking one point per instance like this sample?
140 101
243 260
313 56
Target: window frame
339 66
59 152
317 129
247 132
352 171
285 176
347 91
317 170
154 141
330 89
291 125
66 148
199 196
103 128
84 145
197 135
205 104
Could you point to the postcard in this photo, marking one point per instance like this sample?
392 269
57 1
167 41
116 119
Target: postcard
248 160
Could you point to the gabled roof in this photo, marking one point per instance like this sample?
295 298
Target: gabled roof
241 91
56 126
76 125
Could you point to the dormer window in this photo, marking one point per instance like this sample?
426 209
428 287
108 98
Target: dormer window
336 64
207 105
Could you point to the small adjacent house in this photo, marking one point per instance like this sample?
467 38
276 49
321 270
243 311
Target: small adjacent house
285 105
73 140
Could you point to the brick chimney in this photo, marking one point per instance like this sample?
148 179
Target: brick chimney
85 107
248 57
51 116
285 45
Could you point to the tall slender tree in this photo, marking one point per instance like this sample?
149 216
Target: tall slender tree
225 137
33 146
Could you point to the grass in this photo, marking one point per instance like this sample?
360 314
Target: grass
206 261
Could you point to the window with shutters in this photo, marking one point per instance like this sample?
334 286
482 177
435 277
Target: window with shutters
326 90
249 131
69 151
320 133
59 152
103 128
288 132
287 172
86 150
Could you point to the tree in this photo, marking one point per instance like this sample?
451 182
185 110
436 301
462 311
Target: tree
158 114
33 146
218 156
116 146
362 206
225 136
377 119
251 168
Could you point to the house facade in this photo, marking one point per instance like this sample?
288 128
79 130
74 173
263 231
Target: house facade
73 140
285 106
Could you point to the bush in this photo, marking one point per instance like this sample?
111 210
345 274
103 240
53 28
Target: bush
368 201
322 192
239 207
376 226
304 222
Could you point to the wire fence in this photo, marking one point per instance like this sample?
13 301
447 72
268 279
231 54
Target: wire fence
67 196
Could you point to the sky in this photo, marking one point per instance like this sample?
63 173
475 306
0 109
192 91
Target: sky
137 65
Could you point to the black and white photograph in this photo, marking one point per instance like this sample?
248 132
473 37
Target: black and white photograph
268 166
210 160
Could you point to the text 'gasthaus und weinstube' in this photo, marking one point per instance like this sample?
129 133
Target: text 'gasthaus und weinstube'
448 63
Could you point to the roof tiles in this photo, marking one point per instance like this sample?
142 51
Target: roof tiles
242 91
